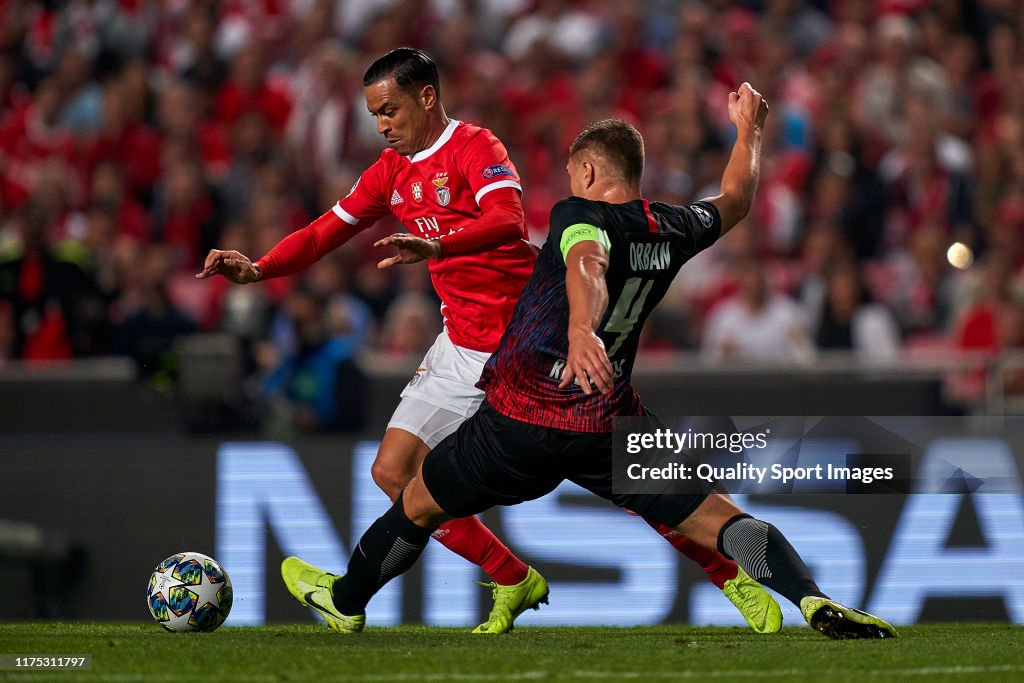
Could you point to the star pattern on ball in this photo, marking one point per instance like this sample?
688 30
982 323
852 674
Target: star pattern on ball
206 589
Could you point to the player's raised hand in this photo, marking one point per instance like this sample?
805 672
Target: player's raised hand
587 363
233 265
747 108
409 249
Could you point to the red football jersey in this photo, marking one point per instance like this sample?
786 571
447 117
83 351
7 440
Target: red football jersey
434 193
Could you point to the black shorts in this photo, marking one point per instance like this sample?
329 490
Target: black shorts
495 460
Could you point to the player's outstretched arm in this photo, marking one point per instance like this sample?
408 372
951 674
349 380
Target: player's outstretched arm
585 266
747 111
296 252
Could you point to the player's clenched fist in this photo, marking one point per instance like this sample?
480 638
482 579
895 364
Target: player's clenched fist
233 265
747 108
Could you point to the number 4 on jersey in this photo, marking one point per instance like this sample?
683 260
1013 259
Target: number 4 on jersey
627 311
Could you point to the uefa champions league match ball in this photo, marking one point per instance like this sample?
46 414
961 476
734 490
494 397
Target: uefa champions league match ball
189 592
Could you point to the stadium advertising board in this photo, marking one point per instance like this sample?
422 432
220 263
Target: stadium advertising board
952 553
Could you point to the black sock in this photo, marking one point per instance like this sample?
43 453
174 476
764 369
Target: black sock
766 555
389 547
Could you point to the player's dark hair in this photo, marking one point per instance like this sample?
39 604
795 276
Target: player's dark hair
617 141
412 69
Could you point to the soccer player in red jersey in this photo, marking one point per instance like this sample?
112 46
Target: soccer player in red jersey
455 189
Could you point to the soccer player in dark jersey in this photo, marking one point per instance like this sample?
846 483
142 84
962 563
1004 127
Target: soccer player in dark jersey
561 372
454 187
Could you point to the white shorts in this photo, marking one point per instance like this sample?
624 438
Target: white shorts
442 393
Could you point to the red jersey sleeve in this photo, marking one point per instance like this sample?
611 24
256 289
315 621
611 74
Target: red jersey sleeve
356 212
304 247
368 199
484 163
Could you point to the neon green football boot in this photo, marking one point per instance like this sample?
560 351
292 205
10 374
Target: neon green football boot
314 588
511 601
843 623
760 610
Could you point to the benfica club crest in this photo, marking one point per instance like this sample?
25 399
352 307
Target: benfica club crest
444 195
417 191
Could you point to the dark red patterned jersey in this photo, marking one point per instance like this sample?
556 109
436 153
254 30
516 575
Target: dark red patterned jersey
648 245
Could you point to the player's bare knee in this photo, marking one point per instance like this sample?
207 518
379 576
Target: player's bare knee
703 526
428 518
421 508
388 478
398 458
702 533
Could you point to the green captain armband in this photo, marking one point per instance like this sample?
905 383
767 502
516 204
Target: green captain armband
581 232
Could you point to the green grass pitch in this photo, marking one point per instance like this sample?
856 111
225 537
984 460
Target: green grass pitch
143 653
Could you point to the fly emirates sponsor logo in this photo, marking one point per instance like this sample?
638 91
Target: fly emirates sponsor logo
430 227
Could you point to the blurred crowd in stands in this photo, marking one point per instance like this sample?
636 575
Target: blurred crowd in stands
135 136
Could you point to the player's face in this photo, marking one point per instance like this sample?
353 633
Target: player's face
403 120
